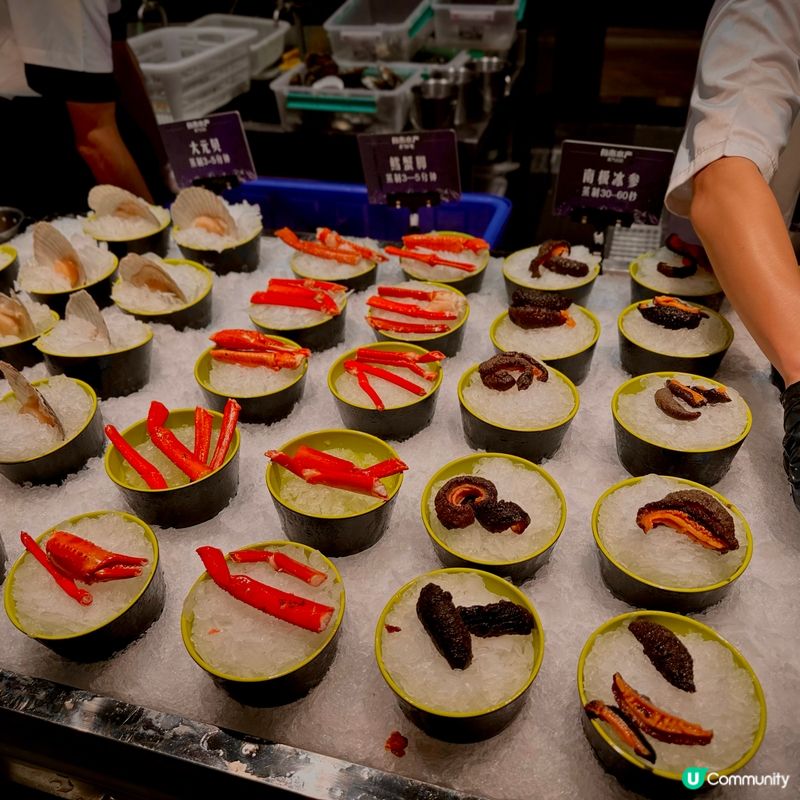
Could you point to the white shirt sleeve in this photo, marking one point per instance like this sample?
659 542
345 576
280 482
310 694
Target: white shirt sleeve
747 92
68 34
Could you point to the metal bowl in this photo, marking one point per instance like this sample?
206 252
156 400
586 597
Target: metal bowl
10 220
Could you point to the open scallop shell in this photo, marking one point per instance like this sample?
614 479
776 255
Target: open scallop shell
147 271
52 248
107 200
30 399
199 208
81 305
14 318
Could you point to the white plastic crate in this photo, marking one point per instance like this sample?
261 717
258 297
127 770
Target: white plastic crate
477 25
376 30
192 71
268 46
377 110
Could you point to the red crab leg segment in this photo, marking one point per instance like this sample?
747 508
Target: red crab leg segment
394 358
289 607
450 244
295 299
148 473
280 562
368 389
333 240
387 468
65 583
169 444
308 283
316 249
431 259
367 353
383 324
407 292
409 309
229 419
246 358
348 480
85 561
202 433
356 367
234 339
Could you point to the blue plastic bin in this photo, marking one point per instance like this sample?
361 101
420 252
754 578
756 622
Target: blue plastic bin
305 205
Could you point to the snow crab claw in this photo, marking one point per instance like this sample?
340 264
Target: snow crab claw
85 561
496 372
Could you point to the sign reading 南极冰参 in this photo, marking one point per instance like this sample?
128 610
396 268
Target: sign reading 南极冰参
617 179
423 163
212 146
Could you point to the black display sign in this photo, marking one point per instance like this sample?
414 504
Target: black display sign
618 179
422 163
208 147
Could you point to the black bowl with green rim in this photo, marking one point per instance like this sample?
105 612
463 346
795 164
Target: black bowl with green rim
641 291
462 727
516 570
637 359
240 257
196 314
177 506
471 282
70 456
357 283
632 772
448 343
100 290
626 585
317 337
283 687
264 408
23 353
397 422
534 444
578 293
575 365
156 242
640 455
115 374
335 534
10 267
101 641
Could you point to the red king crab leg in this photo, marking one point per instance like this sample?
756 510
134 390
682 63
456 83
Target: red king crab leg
288 607
332 239
280 562
409 309
450 244
147 471
431 259
229 419
234 339
169 444
202 433
296 298
316 249
282 359
383 324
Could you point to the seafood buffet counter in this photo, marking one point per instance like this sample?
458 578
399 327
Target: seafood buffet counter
352 712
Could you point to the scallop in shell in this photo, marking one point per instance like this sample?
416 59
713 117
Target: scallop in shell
51 247
148 271
31 401
196 207
82 306
107 200
14 318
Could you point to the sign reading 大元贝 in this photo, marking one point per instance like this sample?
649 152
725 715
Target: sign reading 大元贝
421 163
617 179
208 147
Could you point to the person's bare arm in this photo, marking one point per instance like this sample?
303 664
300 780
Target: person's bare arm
740 224
99 143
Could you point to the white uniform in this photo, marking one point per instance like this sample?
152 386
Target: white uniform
68 34
746 99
